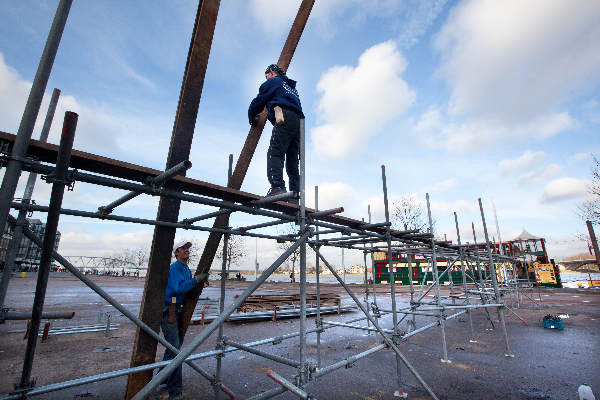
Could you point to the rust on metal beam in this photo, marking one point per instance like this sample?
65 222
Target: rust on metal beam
103 165
241 167
144 347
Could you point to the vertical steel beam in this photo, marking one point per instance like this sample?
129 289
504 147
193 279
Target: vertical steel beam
303 366
13 248
594 242
56 196
393 276
318 320
464 277
144 348
214 325
495 281
442 317
243 162
15 162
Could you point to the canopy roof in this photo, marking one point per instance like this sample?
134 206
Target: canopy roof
526 236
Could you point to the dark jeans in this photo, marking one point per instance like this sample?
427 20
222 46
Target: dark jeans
285 143
171 333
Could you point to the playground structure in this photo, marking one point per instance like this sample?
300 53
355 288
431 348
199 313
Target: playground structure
472 288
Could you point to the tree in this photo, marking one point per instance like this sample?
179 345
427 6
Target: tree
236 250
589 209
289 230
408 213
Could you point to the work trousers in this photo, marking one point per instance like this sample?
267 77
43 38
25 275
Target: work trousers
285 144
171 333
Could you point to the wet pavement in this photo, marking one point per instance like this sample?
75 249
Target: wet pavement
547 363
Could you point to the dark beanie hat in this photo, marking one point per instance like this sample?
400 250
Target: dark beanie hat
276 68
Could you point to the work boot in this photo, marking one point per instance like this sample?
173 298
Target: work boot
275 191
295 199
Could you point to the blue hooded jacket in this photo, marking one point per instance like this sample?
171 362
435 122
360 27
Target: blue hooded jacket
276 91
180 282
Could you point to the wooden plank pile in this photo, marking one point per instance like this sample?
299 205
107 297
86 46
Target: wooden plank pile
269 302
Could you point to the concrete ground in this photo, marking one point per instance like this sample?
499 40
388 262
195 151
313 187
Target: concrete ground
547 364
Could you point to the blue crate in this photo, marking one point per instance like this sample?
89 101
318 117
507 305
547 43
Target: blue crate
553 324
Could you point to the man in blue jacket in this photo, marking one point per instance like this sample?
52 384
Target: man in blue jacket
180 282
278 93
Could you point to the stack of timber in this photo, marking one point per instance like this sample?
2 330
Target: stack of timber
275 306
268 302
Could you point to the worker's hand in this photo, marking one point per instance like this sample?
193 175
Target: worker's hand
252 120
202 279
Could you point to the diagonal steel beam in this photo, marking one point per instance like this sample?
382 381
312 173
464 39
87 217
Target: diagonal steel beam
241 167
144 347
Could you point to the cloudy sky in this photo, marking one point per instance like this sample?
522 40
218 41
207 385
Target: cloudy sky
459 99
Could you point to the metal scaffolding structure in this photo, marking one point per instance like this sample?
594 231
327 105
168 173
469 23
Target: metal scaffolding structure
62 166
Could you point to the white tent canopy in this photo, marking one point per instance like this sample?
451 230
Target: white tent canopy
525 236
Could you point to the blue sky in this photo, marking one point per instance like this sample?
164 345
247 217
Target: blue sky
461 99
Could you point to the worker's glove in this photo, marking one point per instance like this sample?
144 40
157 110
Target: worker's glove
252 120
202 278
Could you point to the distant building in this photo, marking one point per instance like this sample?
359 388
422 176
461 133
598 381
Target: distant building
28 254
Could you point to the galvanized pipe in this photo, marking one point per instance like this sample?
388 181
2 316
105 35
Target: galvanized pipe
324 213
205 216
363 328
318 320
44 315
303 370
287 384
372 263
273 357
152 182
198 340
464 278
119 184
437 280
34 101
222 305
258 226
272 199
387 340
58 189
431 325
11 252
149 331
494 280
88 214
392 269
268 393
348 361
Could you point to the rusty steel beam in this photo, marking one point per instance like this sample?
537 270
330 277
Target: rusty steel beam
83 161
241 167
144 347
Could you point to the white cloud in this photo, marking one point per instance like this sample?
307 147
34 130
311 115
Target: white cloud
99 130
440 186
420 16
441 208
564 189
438 130
410 19
515 60
331 195
274 16
357 101
527 160
579 156
540 175
80 243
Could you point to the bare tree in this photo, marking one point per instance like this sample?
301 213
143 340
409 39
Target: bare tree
589 209
289 230
236 250
409 213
